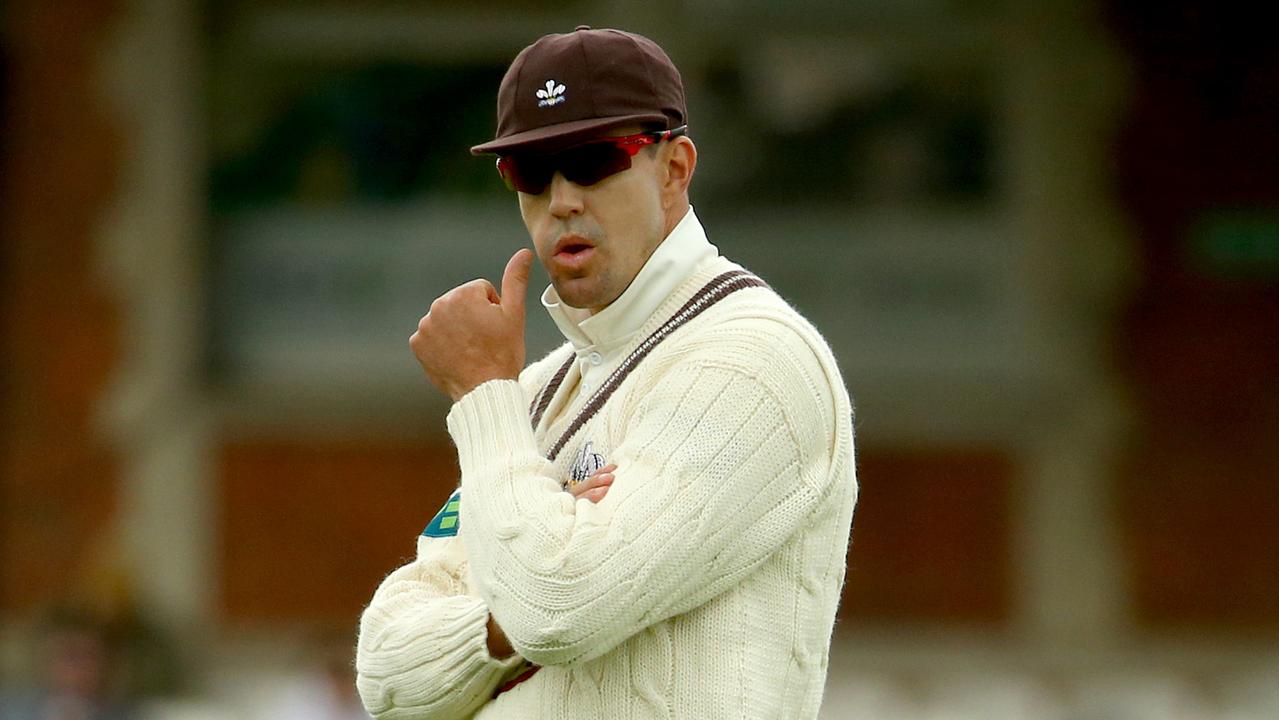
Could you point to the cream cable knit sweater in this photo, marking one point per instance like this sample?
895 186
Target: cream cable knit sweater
704 585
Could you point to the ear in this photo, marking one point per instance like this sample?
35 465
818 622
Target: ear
679 162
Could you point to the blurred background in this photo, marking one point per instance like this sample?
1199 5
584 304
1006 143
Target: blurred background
1042 239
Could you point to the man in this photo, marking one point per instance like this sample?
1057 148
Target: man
653 519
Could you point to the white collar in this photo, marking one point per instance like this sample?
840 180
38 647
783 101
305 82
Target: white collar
671 263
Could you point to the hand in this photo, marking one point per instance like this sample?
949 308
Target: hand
471 335
596 486
499 645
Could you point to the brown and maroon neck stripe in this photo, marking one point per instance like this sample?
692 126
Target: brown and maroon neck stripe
717 289
543 399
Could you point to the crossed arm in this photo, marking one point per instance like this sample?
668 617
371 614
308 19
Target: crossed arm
428 646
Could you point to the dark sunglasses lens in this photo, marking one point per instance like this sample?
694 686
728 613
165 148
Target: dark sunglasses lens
527 174
585 165
590 164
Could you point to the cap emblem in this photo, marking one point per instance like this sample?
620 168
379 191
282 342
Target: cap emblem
552 94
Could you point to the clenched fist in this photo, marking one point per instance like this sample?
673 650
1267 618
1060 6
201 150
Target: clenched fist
471 335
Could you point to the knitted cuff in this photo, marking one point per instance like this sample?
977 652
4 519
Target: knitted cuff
491 424
429 656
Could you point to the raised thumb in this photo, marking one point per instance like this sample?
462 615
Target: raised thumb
515 281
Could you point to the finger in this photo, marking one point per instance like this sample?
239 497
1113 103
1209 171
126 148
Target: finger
590 482
604 470
515 281
595 495
595 481
479 285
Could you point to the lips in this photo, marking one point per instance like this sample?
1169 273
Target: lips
572 245
573 251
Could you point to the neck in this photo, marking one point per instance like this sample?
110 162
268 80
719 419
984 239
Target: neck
674 214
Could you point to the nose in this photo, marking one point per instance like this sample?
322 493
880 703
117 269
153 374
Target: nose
566 196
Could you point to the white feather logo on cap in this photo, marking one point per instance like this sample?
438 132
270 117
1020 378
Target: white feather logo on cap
552 94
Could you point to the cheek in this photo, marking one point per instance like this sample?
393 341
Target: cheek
534 216
634 205
527 211
643 220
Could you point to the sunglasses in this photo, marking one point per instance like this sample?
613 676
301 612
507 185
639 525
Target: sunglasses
584 164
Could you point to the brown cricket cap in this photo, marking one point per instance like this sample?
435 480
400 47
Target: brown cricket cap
567 88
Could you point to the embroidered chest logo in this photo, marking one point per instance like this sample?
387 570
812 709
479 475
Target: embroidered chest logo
444 524
552 94
585 463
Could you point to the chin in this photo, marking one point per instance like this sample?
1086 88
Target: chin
573 294
581 303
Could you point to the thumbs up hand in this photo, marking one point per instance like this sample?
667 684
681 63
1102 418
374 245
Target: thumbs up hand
472 335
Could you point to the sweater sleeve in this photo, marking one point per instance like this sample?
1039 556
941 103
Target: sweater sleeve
423 645
722 458
422 651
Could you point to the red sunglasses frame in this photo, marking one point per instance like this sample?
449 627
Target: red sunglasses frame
632 144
